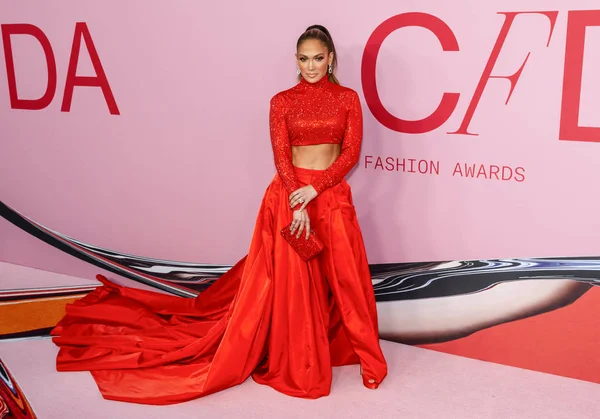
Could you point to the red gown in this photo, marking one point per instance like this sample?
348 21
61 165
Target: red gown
274 317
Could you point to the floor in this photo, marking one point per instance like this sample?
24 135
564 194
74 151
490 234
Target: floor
421 384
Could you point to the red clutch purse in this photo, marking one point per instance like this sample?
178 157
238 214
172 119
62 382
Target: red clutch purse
306 249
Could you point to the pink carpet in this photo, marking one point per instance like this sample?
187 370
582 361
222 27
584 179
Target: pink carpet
421 384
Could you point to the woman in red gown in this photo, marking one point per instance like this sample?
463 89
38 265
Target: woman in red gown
273 316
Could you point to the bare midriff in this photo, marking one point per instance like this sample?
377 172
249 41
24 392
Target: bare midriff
315 157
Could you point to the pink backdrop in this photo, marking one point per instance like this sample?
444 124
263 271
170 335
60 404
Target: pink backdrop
180 172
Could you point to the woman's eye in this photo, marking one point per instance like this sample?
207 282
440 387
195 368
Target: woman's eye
320 59
302 59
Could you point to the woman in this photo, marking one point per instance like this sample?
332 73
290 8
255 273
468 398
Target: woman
283 320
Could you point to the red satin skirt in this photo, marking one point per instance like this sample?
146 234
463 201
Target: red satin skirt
274 317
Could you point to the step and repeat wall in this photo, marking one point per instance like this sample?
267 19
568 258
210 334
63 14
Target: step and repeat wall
135 141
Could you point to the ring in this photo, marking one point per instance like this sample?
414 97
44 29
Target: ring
301 200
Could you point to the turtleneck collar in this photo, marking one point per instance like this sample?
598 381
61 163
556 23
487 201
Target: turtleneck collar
324 82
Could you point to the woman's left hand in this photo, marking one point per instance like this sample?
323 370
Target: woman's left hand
302 196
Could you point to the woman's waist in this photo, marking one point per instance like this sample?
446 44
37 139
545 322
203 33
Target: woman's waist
315 157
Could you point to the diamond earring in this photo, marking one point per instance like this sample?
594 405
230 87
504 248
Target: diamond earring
298 71
330 69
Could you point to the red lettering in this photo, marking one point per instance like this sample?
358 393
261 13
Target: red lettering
494 170
401 165
487 72
471 172
389 164
520 174
27 29
435 167
100 80
570 130
369 62
481 172
504 175
457 169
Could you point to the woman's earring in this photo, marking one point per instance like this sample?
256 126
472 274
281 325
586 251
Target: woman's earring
298 70
330 69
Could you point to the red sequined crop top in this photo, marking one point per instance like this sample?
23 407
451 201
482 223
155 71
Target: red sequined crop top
316 113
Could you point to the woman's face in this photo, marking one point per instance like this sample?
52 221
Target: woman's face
313 60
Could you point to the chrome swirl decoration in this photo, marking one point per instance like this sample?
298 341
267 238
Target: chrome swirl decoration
406 281
392 282
13 403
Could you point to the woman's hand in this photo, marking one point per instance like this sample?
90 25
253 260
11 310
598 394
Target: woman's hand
300 223
302 196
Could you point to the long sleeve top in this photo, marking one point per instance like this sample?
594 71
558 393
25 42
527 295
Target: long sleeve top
316 113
